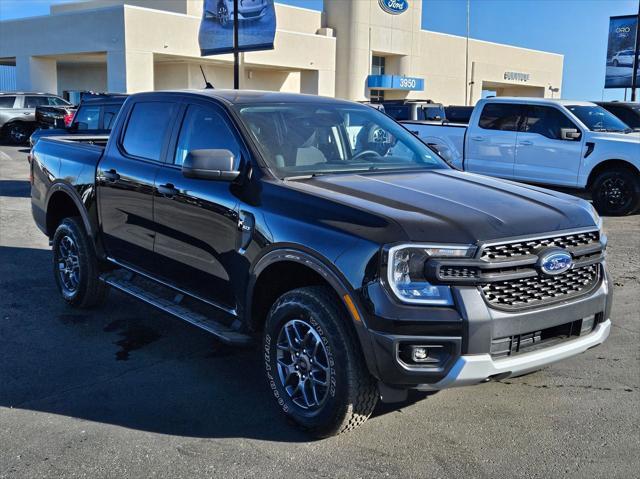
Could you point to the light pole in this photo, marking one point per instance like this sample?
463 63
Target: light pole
466 57
553 90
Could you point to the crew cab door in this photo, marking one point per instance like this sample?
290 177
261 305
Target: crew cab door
125 182
542 156
491 143
197 219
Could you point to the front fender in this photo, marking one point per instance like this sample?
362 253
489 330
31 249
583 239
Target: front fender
326 269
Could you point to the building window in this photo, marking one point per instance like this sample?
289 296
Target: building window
377 65
376 96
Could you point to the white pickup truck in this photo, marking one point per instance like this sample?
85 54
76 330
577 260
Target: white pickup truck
560 143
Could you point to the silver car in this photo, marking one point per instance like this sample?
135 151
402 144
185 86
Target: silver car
18 113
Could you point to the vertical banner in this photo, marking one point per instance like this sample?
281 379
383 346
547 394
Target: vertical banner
256 30
621 51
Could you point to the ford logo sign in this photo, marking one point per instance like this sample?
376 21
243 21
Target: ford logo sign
555 262
394 7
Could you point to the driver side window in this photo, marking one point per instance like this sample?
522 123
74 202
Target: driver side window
203 129
547 121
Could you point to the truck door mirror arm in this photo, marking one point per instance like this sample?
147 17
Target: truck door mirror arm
210 164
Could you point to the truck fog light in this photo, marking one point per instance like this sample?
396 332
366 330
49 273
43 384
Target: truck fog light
419 354
587 324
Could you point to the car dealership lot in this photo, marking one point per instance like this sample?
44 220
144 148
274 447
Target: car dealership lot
128 391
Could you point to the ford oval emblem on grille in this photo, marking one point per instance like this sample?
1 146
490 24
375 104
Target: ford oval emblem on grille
555 262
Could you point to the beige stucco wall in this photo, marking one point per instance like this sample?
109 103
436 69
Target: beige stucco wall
147 44
82 76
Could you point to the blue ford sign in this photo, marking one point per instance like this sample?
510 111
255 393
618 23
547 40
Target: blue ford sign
555 262
394 7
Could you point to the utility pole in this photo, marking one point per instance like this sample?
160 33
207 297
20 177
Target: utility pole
466 57
636 52
236 54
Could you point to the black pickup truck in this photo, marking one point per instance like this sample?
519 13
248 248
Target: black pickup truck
364 264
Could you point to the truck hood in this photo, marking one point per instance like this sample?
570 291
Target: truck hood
633 138
451 206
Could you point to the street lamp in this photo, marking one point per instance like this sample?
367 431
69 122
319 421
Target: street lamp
553 90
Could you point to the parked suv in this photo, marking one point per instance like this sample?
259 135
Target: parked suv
18 113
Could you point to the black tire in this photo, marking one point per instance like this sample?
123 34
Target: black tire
83 288
17 133
351 394
615 192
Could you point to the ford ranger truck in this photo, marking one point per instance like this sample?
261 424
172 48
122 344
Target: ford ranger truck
323 230
564 144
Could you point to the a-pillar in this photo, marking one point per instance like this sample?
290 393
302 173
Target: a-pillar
38 74
129 72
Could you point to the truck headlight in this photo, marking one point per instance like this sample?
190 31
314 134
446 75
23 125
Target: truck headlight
406 272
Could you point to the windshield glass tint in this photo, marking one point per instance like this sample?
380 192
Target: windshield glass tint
597 118
308 139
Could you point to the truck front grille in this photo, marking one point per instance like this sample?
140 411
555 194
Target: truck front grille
529 247
538 290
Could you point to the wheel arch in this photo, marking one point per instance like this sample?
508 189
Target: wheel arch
63 202
288 265
609 164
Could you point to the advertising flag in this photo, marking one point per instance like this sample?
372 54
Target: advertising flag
621 51
256 30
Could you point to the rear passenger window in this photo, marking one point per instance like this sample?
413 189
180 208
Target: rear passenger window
34 101
501 116
7 101
147 129
204 129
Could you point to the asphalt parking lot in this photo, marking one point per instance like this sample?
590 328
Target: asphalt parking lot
127 391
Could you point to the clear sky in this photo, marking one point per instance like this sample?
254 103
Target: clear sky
575 28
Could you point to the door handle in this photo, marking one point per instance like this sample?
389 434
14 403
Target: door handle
477 138
526 142
168 190
111 175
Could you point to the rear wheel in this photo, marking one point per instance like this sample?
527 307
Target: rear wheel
314 364
17 133
615 192
75 266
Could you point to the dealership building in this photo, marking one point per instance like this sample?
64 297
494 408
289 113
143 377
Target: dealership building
354 49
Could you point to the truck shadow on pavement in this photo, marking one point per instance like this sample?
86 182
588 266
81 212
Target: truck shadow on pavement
125 364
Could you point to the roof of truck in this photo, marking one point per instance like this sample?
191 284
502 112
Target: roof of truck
538 101
256 96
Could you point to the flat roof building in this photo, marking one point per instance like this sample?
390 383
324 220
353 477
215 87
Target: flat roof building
354 49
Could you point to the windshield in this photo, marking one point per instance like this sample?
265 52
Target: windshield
597 118
315 139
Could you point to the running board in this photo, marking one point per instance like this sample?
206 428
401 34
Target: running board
224 333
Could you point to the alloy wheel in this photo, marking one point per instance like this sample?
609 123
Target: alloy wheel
68 264
303 364
615 192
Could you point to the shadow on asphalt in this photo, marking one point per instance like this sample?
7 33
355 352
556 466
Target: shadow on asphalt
15 188
126 364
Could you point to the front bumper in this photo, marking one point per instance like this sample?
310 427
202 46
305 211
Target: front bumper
468 333
477 368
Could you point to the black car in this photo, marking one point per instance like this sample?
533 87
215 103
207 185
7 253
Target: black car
329 235
94 116
628 112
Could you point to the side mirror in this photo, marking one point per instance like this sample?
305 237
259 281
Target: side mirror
210 165
570 134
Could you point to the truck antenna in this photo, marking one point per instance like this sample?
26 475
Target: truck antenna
207 85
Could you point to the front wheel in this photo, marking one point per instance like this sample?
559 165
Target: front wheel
314 364
615 192
75 266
